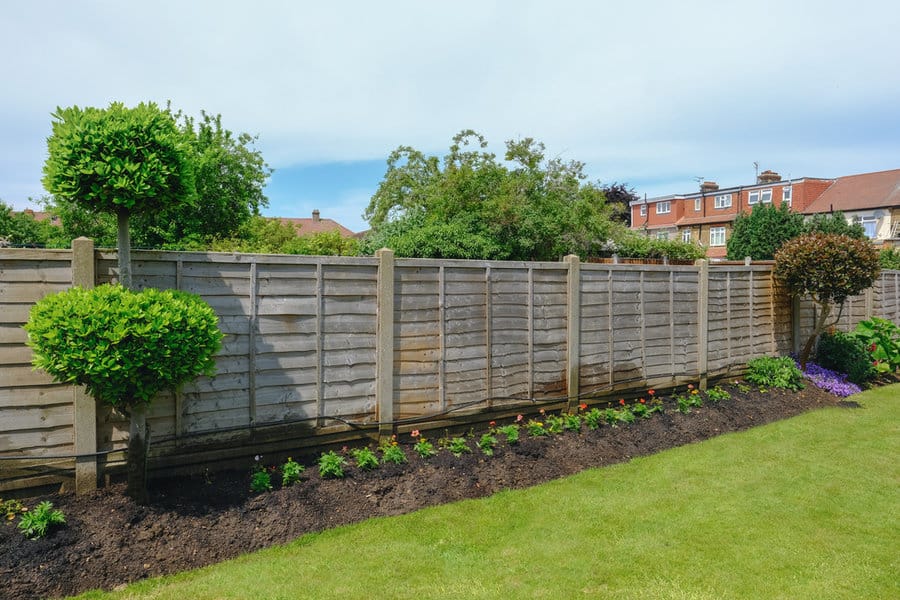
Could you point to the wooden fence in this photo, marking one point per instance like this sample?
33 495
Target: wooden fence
322 350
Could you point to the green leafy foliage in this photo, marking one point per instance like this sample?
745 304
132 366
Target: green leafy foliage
123 346
38 521
290 472
717 394
457 446
391 452
510 432
594 418
331 464
262 235
834 223
845 353
260 480
365 459
118 158
487 443
424 448
470 205
881 338
22 229
828 269
889 258
762 232
775 372
634 245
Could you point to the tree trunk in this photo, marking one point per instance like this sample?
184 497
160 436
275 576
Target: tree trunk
817 330
124 240
138 446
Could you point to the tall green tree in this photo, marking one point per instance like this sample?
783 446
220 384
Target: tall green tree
762 232
124 161
835 223
22 229
470 205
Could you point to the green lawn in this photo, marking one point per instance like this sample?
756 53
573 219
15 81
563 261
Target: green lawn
804 508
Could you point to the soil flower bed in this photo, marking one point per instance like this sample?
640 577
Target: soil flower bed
194 521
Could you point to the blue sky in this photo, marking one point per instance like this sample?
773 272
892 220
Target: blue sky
654 94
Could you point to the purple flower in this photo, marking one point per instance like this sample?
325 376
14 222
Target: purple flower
830 381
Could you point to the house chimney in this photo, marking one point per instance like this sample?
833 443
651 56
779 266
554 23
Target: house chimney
768 177
709 186
316 215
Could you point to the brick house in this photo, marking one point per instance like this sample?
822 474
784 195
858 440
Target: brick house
707 216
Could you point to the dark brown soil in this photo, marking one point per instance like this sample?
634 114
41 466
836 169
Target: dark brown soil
190 522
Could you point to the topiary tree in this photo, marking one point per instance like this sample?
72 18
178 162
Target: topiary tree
762 232
124 347
826 268
119 160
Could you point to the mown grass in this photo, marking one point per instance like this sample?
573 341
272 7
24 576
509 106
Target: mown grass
803 508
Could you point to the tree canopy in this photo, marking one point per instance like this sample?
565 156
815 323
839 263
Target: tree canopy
470 205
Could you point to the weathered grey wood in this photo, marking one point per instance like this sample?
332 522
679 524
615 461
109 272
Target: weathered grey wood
384 357
702 319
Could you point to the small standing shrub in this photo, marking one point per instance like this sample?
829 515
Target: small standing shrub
422 447
332 464
510 432
768 372
365 458
845 353
594 418
290 472
487 443
391 452
641 410
881 339
36 522
458 446
260 481
571 422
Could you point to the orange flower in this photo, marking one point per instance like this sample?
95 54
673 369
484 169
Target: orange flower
642 401
542 411
582 406
651 392
690 386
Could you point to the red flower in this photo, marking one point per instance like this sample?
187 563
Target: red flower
582 406
873 348
492 424
414 433
622 401
651 392
642 401
519 419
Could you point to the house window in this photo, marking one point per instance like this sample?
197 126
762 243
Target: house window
786 198
662 235
643 210
686 236
663 208
765 196
698 204
754 197
723 201
869 225
716 236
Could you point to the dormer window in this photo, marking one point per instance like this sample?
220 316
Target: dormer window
723 201
663 208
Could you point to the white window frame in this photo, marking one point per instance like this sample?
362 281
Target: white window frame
686 236
717 236
662 234
664 207
723 201
787 195
753 197
698 204
766 196
643 210
865 221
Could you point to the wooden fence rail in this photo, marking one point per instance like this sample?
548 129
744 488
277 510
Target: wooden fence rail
324 350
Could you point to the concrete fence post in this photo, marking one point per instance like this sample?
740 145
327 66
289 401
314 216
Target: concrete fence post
573 330
85 421
384 344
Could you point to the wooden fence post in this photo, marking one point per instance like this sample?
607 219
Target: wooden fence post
573 330
384 344
703 321
85 407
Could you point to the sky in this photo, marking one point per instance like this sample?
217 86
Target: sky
656 95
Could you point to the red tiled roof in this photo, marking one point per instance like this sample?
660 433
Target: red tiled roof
309 226
859 192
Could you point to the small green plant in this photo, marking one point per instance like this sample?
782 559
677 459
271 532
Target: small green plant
571 422
36 522
640 409
881 339
510 432
846 353
260 479
365 459
535 428
554 424
290 472
769 372
12 508
611 416
422 447
594 418
689 399
487 443
391 452
625 415
457 446
331 464
741 387
717 394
